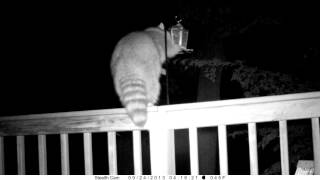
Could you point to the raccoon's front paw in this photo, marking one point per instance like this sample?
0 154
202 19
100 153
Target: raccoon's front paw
186 50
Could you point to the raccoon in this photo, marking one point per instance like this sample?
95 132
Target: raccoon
136 66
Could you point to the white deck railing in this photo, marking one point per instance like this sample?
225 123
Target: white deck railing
162 121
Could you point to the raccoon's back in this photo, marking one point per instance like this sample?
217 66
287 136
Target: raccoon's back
133 97
136 67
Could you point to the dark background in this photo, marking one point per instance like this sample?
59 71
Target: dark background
55 57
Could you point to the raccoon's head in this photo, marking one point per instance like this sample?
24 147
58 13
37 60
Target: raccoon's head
172 48
158 35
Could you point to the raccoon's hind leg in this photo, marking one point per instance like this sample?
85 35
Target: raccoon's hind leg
134 99
153 92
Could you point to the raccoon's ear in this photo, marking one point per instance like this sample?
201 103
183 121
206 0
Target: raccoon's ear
161 26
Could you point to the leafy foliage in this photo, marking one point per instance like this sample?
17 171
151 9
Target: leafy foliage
257 82
254 81
208 66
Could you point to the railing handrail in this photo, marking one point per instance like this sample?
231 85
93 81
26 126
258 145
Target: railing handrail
235 111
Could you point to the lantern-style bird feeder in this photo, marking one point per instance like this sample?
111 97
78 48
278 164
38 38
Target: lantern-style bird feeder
179 34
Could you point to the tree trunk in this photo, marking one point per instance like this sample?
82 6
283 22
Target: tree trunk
208 137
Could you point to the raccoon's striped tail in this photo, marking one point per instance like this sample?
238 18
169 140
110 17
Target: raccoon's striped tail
134 99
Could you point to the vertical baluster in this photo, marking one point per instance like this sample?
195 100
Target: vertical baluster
21 155
112 153
284 147
253 150
223 151
137 152
87 142
162 152
194 157
2 170
42 150
171 152
316 144
64 143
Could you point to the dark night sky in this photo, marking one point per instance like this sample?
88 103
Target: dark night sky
56 56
